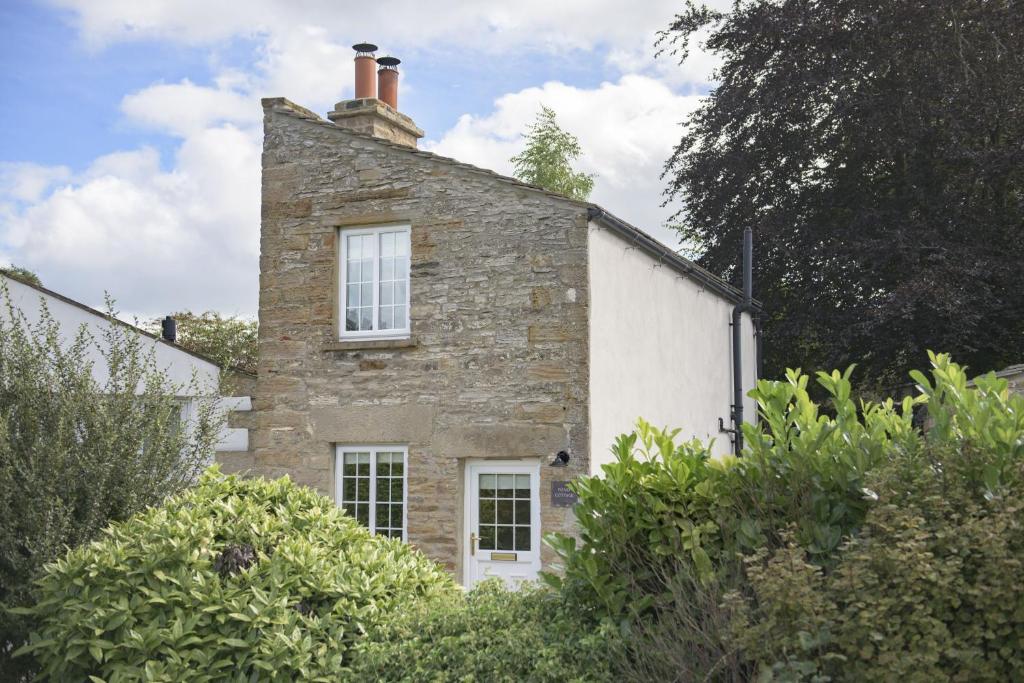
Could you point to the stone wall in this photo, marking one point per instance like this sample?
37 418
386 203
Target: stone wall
497 363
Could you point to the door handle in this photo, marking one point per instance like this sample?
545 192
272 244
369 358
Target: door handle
472 543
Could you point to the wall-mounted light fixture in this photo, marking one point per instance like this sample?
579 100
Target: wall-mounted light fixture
561 459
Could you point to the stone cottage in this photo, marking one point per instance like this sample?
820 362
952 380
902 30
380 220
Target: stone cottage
443 348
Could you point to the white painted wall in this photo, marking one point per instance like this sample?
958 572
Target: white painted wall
178 363
660 349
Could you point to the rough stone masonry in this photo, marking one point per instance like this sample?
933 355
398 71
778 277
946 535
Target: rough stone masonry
496 366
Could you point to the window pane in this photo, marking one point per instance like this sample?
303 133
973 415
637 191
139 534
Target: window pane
505 541
486 538
362 489
522 486
352 319
383 464
505 485
386 321
348 489
387 291
487 511
352 274
505 512
363 514
366 270
397 466
383 515
397 485
355 247
522 511
522 538
352 296
487 485
387 269
396 516
400 292
350 509
402 243
365 318
387 244
401 322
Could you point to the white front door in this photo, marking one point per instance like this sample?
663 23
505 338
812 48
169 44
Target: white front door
502 522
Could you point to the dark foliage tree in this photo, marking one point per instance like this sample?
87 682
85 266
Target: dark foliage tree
877 149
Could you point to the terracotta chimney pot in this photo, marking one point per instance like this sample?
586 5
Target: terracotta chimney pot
387 81
366 84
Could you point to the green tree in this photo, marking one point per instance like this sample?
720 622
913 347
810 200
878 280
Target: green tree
547 160
875 148
77 452
229 340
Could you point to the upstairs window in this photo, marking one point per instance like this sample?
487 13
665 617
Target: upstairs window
375 282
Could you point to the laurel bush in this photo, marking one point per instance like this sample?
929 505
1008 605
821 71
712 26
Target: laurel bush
234 580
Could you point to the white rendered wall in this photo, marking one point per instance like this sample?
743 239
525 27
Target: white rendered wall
660 349
178 364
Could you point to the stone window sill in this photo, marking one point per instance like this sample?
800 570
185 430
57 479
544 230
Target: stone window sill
370 344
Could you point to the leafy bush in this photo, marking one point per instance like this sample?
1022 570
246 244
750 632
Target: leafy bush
77 453
928 592
661 508
827 526
233 580
489 635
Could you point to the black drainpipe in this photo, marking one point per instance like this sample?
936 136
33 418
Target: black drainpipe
746 306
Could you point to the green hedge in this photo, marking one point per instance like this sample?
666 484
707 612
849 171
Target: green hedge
237 579
845 543
490 634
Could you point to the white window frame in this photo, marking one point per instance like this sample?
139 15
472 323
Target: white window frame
376 230
339 461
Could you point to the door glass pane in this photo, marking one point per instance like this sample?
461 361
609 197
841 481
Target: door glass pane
487 485
522 486
523 538
505 539
523 512
505 485
487 511
505 512
487 537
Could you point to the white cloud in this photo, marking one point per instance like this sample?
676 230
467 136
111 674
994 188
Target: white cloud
476 24
156 240
626 130
165 234
184 108
27 182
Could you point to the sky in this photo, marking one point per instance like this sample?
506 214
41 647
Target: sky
131 130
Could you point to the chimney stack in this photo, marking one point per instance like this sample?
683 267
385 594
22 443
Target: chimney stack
366 84
368 115
387 80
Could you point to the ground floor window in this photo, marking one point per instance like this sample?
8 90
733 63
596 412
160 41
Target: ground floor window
371 486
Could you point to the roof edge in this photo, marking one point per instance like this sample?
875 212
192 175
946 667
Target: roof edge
136 328
666 254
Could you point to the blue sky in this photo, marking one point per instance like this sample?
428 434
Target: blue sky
129 143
